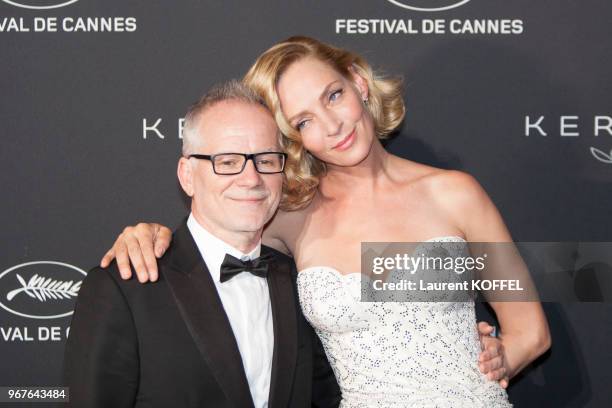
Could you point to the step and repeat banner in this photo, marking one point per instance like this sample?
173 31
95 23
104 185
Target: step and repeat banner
515 92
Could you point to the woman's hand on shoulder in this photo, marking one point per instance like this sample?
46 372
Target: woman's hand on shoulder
139 245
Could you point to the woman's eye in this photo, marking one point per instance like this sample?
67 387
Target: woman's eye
300 125
335 95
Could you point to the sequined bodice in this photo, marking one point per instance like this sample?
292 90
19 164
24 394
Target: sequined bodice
396 354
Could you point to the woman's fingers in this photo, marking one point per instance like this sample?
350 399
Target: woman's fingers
161 239
107 258
485 329
139 246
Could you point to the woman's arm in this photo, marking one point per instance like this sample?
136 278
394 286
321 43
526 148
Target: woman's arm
277 231
143 243
524 329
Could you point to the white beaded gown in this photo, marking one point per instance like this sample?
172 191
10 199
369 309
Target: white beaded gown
397 354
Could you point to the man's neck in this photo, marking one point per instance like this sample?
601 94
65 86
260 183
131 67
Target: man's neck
244 241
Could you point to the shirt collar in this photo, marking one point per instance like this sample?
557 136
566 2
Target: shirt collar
213 249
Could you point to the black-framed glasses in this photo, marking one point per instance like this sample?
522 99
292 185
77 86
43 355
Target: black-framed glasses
234 163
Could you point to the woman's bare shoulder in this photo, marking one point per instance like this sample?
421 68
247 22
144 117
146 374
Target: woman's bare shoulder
457 187
460 197
436 181
419 175
453 192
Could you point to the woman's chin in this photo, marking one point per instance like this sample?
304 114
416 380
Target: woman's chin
349 158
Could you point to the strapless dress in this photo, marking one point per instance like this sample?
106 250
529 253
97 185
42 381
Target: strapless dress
397 354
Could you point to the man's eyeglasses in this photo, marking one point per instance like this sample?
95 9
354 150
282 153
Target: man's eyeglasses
234 163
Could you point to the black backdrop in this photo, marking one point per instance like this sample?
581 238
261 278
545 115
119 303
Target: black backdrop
80 157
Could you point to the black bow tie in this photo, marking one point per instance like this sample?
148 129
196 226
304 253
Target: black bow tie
232 266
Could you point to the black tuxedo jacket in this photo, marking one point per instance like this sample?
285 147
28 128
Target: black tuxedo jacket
170 344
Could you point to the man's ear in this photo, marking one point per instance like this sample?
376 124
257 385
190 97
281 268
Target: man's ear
360 83
185 175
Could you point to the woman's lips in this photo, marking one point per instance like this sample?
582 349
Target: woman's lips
346 142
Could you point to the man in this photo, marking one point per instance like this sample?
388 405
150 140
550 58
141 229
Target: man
222 327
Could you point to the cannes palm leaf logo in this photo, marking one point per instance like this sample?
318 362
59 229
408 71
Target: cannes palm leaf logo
601 155
45 289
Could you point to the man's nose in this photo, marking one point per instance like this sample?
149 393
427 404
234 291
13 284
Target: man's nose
249 176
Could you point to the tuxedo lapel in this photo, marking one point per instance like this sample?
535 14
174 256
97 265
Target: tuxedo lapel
202 310
284 317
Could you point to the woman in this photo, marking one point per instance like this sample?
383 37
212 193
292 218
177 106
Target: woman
342 189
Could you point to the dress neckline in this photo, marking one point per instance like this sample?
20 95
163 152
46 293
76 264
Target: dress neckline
457 238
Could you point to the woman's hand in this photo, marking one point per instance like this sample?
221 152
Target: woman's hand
140 245
492 361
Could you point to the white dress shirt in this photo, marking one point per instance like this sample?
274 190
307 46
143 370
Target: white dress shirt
246 301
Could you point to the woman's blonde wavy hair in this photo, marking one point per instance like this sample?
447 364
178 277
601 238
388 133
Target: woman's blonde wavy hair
303 171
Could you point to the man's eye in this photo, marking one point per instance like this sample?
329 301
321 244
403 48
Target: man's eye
227 163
